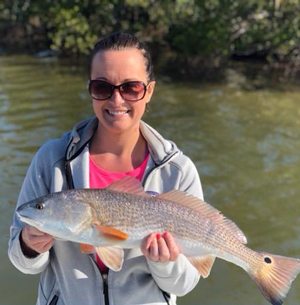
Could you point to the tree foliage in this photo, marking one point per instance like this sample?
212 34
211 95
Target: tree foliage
193 32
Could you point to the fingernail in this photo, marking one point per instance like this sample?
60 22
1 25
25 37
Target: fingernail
158 236
165 234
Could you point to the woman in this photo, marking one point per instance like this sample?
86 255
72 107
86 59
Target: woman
113 144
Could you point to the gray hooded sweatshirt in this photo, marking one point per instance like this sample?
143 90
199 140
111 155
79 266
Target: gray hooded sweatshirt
70 277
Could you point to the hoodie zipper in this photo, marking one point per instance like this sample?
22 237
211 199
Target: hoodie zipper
54 300
105 288
104 277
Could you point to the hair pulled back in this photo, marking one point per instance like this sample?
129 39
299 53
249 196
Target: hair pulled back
120 41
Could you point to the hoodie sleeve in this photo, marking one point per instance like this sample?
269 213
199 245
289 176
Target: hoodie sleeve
178 277
34 185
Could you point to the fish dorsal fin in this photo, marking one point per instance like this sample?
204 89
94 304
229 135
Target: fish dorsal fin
203 264
127 185
205 210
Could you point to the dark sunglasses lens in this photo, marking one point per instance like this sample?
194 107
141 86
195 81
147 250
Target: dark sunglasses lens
100 90
133 91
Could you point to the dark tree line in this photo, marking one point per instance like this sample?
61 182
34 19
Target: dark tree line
190 33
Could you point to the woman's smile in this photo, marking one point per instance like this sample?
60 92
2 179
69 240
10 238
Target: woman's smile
117 113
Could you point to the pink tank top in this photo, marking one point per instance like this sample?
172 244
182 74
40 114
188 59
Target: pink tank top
101 178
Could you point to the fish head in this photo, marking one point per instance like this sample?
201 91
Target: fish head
60 215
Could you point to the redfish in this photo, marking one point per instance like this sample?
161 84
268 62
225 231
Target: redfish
122 215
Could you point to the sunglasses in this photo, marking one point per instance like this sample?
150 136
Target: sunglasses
130 91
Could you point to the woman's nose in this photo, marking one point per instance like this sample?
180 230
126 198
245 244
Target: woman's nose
116 97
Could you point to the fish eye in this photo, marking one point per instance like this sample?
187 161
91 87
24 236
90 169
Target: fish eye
39 206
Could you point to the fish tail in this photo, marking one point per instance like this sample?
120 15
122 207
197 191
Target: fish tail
274 275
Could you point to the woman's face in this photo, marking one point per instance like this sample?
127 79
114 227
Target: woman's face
117 67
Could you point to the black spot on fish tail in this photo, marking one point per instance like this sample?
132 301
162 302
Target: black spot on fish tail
267 260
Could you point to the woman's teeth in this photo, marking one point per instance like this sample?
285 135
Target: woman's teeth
117 112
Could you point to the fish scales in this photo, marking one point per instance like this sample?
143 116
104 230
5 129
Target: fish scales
148 214
140 216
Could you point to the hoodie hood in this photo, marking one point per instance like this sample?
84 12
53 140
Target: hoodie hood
80 136
160 149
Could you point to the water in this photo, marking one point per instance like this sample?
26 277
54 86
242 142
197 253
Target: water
245 144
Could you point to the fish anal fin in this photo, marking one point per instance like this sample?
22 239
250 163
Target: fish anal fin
85 248
128 185
203 264
112 257
205 210
111 232
274 276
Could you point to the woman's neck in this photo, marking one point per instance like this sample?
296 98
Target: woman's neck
118 151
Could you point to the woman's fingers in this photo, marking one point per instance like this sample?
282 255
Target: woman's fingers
36 240
160 247
174 249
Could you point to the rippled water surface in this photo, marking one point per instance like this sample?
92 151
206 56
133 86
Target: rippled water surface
245 144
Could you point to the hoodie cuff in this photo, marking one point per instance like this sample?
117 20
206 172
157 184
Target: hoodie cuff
28 265
168 269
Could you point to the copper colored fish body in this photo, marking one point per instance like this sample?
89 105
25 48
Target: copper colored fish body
122 215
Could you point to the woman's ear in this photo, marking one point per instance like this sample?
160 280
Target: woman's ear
150 90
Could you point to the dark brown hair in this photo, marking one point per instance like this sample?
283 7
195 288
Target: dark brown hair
120 41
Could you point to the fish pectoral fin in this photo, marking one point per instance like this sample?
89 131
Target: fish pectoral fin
110 232
203 264
112 257
85 248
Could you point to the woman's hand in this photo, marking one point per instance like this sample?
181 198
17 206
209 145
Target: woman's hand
160 247
35 242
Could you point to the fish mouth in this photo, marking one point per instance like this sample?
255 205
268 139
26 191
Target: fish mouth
26 219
